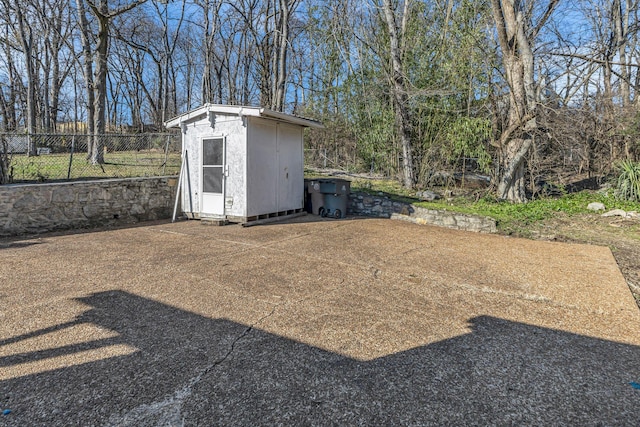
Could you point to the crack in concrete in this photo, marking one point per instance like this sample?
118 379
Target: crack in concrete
168 412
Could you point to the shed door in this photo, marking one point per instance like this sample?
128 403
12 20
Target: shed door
290 178
213 176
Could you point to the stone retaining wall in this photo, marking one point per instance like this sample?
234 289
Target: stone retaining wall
383 207
37 208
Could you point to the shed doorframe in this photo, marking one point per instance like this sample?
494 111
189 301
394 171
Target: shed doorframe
214 172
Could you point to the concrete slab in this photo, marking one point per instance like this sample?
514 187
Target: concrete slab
313 322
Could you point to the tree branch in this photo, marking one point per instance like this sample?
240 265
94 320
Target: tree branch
498 17
126 8
552 5
506 134
593 59
116 12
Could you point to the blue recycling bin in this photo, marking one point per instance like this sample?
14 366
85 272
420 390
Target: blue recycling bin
329 197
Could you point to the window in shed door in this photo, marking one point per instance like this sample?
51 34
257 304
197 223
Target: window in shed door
212 165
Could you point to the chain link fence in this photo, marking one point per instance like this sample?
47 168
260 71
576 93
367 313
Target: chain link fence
349 161
318 159
65 157
340 159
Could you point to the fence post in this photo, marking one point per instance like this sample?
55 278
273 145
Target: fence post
73 143
166 155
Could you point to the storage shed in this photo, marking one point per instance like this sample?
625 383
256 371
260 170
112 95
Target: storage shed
241 163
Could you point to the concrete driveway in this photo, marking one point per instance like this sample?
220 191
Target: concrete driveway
351 322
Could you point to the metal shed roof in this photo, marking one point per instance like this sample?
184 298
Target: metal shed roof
240 111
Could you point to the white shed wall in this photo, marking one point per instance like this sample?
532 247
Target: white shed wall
291 167
264 160
236 136
192 174
232 129
262 165
275 167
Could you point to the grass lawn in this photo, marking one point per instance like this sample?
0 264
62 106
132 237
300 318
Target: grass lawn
120 164
511 218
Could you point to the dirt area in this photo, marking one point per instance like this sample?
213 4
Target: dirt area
621 235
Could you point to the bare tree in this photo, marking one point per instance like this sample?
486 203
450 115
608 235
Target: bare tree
57 64
9 89
282 44
516 36
615 41
27 40
169 45
87 72
144 48
186 70
602 79
210 15
104 15
396 26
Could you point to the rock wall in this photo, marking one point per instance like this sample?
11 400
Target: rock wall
38 208
381 206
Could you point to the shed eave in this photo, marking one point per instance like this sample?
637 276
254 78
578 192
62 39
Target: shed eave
240 111
290 119
186 117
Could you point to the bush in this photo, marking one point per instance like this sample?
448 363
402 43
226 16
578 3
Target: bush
628 186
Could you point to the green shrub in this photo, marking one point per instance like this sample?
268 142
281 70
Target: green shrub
628 186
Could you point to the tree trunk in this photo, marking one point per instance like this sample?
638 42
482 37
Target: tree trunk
266 55
399 93
209 85
283 48
100 85
516 34
5 162
26 40
104 16
621 30
9 103
87 72
512 185
59 73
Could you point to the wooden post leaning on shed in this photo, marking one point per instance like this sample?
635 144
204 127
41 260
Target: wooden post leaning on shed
178 189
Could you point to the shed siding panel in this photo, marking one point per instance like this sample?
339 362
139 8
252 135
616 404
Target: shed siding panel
235 192
263 159
230 127
192 177
262 164
290 167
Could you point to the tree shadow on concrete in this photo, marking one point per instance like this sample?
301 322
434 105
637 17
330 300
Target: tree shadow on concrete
18 243
191 370
36 237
